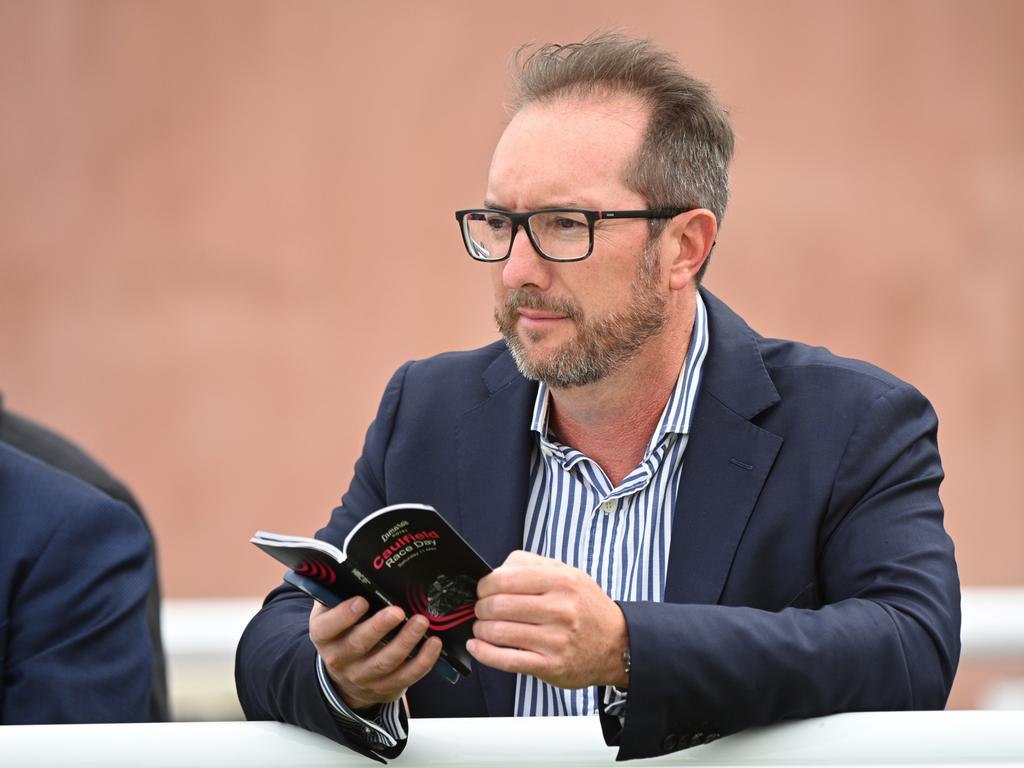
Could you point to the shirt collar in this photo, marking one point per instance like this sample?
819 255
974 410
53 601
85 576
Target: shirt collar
678 413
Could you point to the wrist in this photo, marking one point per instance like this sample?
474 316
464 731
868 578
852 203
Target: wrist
353 701
627 663
367 711
357 704
620 661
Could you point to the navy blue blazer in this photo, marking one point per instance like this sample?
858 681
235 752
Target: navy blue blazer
75 570
809 571
53 449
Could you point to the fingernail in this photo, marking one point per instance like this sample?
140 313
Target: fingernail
358 605
398 614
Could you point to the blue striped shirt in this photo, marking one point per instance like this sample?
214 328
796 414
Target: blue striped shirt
619 535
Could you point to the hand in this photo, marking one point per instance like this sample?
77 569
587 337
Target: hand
364 672
542 617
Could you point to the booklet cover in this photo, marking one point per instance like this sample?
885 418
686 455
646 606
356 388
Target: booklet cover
405 555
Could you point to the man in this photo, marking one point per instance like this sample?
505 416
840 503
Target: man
699 529
47 446
75 570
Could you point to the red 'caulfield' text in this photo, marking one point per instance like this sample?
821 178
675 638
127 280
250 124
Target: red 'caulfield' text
402 542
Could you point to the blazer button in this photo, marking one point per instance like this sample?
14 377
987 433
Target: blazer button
697 739
670 742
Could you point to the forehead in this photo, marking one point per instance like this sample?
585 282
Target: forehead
567 151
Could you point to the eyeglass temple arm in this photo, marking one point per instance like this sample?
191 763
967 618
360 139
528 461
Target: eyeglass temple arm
659 213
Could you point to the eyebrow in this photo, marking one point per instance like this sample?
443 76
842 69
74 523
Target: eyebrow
561 204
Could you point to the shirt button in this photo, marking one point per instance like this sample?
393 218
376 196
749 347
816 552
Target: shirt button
608 507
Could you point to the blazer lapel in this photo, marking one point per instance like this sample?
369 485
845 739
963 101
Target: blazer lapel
727 460
726 463
493 453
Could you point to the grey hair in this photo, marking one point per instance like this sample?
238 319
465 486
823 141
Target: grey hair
683 159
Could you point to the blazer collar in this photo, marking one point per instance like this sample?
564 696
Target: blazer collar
727 461
734 371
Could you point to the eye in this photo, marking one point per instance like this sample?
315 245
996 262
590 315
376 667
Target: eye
567 224
497 223
562 224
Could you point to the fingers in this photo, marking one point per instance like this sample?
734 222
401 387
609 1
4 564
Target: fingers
386 679
530 609
364 637
522 572
364 670
507 659
540 638
526 579
341 638
327 623
524 558
374 662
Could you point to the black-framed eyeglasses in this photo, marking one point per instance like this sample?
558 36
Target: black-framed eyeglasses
557 234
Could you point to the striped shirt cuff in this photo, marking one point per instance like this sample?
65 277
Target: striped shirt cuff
384 730
615 703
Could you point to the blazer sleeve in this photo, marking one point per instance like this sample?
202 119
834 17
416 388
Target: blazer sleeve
886 634
76 648
275 665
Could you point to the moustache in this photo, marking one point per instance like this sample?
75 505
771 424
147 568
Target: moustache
521 298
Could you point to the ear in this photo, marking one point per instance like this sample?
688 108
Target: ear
691 235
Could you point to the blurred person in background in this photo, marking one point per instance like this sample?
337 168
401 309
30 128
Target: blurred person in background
51 448
76 567
699 529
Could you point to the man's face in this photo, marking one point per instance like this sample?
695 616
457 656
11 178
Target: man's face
574 323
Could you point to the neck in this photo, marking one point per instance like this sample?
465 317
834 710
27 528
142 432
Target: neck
612 420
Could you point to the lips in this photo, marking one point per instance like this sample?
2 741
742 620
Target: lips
539 315
523 312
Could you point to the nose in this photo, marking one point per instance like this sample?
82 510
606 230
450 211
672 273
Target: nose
524 266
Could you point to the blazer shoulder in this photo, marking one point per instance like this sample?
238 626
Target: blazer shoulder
462 361
788 361
464 372
36 497
49 447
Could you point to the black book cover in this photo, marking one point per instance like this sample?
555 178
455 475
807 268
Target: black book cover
405 555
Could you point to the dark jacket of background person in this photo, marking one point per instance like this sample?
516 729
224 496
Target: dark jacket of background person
51 448
809 572
75 569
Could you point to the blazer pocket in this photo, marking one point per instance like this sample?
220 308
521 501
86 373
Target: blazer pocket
806 598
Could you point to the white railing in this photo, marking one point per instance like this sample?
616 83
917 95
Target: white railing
920 739
200 638
993 624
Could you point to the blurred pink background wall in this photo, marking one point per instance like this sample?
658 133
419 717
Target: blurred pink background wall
223 225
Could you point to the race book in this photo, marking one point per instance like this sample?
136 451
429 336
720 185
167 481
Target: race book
405 555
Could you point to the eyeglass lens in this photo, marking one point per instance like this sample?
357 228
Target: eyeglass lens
558 234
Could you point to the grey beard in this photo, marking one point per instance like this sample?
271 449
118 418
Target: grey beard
600 347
